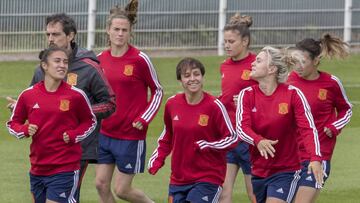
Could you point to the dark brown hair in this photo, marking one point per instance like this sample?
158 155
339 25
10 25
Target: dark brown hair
327 46
188 63
66 21
44 54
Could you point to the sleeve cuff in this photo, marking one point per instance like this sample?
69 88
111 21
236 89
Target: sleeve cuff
72 137
334 131
142 121
257 140
25 130
316 158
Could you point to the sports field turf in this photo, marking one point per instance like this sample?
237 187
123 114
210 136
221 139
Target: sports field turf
342 186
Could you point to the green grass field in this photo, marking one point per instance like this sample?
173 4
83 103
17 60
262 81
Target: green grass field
343 184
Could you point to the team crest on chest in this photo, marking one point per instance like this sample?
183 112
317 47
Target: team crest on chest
245 75
64 105
283 108
322 94
128 70
203 120
72 79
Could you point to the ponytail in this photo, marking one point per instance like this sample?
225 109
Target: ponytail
328 45
333 47
129 13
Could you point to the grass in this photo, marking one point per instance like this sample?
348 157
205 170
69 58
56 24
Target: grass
343 184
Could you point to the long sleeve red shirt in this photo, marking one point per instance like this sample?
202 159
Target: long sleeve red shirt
184 125
330 108
65 110
235 76
276 117
130 77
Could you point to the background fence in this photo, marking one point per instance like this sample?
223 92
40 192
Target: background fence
181 24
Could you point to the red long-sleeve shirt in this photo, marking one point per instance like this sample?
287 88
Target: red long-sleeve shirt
330 108
184 125
130 77
276 117
65 110
235 76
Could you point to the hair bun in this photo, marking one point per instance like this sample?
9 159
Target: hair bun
241 19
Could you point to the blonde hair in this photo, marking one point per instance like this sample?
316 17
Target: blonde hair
281 59
240 23
296 55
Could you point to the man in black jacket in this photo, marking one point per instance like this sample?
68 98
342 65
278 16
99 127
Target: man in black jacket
84 73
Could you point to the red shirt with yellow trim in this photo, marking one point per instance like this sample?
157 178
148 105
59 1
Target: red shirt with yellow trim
330 107
65 110
185 125
276 117
235 76
130 77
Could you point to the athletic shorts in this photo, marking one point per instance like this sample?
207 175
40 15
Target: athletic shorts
60 187
128 155
194 193
280 185
309 179
241 157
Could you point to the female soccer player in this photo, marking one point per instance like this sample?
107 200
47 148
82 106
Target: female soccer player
57 117
235 76
329 104
196 175
268 116
122 135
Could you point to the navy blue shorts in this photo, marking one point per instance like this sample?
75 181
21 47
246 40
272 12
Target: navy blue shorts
194 193
309 179
280 185
59 187
241 157
128 155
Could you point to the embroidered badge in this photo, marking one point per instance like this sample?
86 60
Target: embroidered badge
283 108
322 94
245 75
64 105
128 70
203 120
72 79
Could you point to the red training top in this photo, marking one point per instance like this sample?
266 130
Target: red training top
130 76
330 108
65 110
